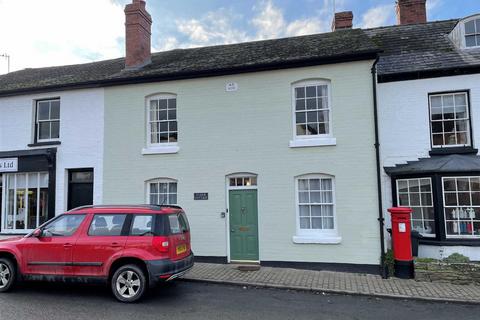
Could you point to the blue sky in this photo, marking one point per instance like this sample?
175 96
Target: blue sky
55 32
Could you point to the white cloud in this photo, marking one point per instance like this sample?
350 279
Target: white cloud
55 32
269 22
377 16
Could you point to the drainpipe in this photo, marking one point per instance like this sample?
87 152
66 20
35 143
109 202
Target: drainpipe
381 220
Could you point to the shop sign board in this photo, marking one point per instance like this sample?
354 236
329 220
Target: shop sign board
9 165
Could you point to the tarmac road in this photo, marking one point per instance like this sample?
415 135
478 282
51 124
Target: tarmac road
185 300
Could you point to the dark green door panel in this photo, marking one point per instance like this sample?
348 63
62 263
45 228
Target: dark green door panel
243 225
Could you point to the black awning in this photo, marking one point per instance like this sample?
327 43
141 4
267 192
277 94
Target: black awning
454 163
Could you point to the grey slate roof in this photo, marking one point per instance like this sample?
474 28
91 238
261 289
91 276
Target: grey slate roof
186 63
407 49
420 47
438 164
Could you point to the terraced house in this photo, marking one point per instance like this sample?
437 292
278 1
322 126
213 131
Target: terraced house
270 146
428 101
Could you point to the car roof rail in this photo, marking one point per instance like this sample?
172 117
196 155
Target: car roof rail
140 206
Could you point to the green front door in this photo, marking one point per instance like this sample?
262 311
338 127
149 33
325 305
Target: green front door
243 225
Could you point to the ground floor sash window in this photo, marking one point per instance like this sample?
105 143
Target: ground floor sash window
24 201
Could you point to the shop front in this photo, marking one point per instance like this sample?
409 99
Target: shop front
444 194
27 189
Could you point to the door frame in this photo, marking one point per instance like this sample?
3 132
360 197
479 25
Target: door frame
68 189
227 216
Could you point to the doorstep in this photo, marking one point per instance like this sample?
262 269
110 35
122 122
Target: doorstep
333 282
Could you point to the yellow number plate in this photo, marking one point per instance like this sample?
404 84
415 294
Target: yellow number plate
181 248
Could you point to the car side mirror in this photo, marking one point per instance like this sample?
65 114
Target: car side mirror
37 233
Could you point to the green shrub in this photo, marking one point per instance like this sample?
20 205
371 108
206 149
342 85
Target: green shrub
456 258
426 260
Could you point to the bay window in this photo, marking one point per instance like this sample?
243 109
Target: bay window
417 195
461 196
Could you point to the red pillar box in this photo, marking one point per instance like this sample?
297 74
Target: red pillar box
402 242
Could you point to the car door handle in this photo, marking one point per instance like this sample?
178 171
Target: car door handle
67 245
116 245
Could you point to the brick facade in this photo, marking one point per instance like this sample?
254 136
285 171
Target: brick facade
138 27
411 11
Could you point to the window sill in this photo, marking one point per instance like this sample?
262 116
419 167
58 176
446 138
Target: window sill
452 150
42 144
161 150
331 239
314 142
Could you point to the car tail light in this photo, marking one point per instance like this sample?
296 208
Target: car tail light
162 244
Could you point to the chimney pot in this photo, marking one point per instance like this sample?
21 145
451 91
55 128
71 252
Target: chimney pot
411 11
138 33
342 20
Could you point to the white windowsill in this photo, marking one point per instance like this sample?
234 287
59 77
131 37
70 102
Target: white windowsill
319 239
161 149
313 142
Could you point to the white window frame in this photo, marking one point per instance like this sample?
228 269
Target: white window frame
318 139
160 180
159 148
321 236
430 235
464 35
37 121
445 208
468 119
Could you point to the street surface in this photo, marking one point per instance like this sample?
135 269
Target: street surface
183 300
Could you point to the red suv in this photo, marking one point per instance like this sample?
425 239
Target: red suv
129 247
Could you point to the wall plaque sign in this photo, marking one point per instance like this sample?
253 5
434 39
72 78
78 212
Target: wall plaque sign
9 165
200 196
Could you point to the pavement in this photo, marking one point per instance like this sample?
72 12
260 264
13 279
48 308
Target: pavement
334 282
197 301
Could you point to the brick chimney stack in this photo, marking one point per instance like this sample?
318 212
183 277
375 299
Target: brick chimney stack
342 20
411 11
138 26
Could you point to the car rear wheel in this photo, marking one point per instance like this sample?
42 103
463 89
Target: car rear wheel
129 283
7 274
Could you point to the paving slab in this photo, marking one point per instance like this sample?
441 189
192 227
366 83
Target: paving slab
334 282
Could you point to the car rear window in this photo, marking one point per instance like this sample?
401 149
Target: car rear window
178 223
142 225
174 224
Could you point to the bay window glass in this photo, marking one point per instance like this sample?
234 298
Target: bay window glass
162 192
162 120
315 203
26 201
312 109
450 120
461 198
417 195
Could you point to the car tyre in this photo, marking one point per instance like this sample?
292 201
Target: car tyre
8 274
129 283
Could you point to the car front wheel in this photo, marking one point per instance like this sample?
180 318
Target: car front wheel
7 274
129 283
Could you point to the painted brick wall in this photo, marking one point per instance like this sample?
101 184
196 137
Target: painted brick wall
404 119
249 131
81 134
